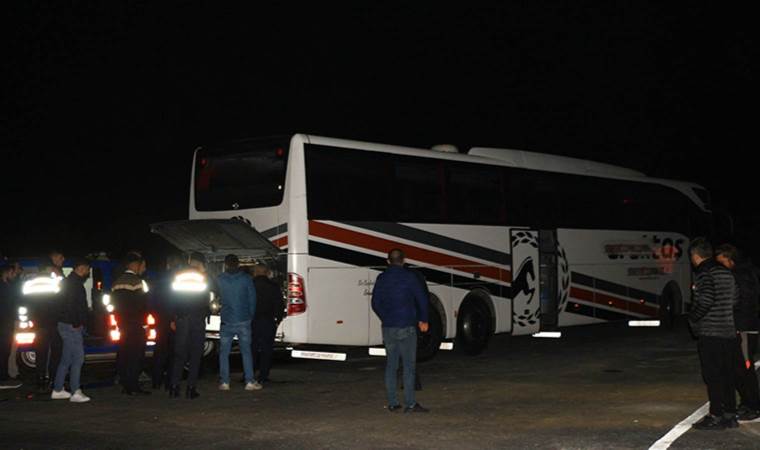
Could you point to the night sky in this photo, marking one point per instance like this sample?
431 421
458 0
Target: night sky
104 104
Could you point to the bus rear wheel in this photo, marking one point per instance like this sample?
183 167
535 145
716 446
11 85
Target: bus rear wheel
473 326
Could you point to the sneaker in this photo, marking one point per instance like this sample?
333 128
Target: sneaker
60 395
393 408
10 384
224 386
417 408
255 386
79 397
710 422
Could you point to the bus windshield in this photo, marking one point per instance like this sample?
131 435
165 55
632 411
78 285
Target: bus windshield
240 175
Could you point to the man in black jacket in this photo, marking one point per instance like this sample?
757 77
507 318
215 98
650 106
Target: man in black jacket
269 312
746 320
130 298
712 319
72 319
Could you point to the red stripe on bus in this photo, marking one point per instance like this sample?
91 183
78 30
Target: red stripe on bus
281 242
355 238
610 301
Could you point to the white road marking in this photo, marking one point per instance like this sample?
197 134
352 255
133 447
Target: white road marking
685 425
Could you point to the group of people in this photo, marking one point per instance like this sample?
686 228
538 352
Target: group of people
179 301
724 317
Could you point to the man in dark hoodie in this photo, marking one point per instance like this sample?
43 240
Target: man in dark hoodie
269 312
712 320
72 318
746 320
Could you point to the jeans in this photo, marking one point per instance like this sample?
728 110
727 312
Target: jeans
400 342
72 356
243 332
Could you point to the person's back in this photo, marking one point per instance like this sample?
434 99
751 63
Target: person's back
269 304
396 297
746 310
238 297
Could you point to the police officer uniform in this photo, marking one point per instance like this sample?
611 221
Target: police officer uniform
190 303
40 297
130 298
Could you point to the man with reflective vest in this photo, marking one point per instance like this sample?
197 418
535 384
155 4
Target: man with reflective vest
129 295
190 304
38 310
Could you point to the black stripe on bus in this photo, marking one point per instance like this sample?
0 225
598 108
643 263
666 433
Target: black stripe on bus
274 231
360 259
619 289
436 240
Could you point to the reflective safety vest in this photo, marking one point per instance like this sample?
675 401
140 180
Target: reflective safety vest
42 285
37 295
191 293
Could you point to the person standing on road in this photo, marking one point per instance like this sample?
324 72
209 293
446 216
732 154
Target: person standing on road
269 313
400 302
712 320
238 297
190 300
72 318
130 298
160 306
42 308
7 324
747 326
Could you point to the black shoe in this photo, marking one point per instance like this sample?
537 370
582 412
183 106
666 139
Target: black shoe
730 421
174 391
417 408
129 392
191 393
393 408
747 414
141 391
710 422
10 384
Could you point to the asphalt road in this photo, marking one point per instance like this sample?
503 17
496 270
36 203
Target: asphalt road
598 387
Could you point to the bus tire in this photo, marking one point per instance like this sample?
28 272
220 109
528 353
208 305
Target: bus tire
26 362
474 327
429 343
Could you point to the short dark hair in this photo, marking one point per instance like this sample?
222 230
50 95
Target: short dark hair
79 261
231 261
701 247
132 258
396 257
727 250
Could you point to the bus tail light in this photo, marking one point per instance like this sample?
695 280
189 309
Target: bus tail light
113 324
25 338
296 294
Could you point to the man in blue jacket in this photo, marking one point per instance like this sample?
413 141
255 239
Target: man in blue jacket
402 306
238 297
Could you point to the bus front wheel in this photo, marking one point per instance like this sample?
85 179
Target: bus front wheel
473 326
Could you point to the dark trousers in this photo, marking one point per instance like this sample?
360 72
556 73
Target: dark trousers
162 353
6 340
718 358
188 348
47 349
130 356
746 378
263 346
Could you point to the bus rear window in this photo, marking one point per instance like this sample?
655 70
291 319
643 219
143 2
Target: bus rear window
241 175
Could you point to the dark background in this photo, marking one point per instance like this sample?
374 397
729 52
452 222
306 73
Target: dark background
104 104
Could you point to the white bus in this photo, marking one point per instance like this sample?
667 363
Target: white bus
509 241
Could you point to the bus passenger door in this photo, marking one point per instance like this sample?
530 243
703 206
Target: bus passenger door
525 289
548 276
338 307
